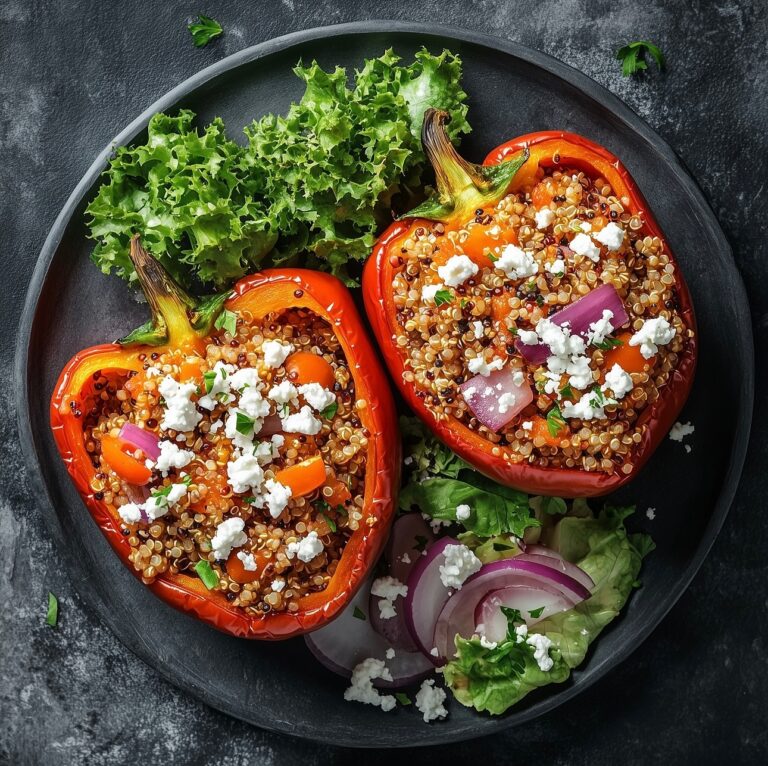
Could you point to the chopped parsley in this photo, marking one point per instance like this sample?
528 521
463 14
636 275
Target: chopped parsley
359 613
403 698
632 57
209 377
227 320
330 411
597 399
555 421
52 616
536 612
206 574
244 424
203 30
329 521
567 391
608 344
442 297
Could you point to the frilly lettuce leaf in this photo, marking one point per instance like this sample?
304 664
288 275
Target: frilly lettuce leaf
481 678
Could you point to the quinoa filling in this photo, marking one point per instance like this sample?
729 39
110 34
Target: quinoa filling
260 477
474 302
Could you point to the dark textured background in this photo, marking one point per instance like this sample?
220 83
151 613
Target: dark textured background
73 74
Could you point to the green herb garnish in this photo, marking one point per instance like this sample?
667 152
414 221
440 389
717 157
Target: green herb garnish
442 297
52 616
244 424
203 30
554 506
359 613
330 411
536 612
608 343
329 521
226 320
555 421
567 391
403 698
206 573
632 57
209 377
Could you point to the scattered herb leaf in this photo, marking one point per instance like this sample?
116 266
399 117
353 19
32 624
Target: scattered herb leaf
403 698
206 574
244 424
608 344
329 521
203 30
359 613
536 612
632 57
209 376
330 411
52 616
442 297
567 391
226 320
555 421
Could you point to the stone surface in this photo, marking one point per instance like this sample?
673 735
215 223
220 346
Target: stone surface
73 74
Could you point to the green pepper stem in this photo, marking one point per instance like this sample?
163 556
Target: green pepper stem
462 186
176 317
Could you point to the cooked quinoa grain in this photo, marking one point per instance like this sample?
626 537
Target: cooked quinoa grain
214 494
537 252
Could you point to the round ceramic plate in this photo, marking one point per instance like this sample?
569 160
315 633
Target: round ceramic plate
513 90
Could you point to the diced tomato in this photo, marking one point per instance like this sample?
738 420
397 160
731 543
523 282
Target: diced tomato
306 367
114 450
303 477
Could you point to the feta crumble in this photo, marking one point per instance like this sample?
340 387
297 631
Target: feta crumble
316 396
388 589
544 218
527 425
305 549
618 380
556 268
541 645
680 430
130 513
390 653
457 269
429 701
582 244
460 563
275 352
277 585
428 292
216 386
284 393
462 512
249 561
478 366
244 474
601 329
276 497
171 456
478 329
244 377
612 236
651 514
362 688
301 422
654 333
506 402
516 263
180 411
229 535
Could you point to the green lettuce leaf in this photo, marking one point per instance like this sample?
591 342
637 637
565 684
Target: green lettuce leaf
489 549
602 548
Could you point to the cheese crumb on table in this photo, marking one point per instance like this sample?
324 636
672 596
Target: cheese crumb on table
429 701
460 563
362 689
388 589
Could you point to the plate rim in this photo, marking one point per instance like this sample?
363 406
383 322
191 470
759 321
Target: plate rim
386 27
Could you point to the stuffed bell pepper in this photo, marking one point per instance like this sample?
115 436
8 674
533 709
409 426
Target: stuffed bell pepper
240 455
532 314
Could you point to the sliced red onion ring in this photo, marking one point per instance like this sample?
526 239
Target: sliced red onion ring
146 441
580 315
427 596
525 599
485 396
554 560
458 613
349 640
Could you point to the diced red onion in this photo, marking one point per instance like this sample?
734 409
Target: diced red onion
349 640
482 395
272 425
144 440
580 315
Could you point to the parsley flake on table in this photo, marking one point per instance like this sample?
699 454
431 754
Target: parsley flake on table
632 57
203 29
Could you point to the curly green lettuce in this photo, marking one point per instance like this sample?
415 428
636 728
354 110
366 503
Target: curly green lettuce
494 679
316 185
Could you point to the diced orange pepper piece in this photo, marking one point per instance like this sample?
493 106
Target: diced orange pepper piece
541 430
114 451
304 477
629 357
237 571
305 367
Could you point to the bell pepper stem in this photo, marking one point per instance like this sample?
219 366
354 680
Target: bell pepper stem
462 186
177 319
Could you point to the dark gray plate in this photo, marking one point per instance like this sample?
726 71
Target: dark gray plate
513 90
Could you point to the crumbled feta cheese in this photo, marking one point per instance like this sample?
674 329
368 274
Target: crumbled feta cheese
155 507
249 561
428 292
180 411
579 372
478 366
529 337
305 549
521 631
544 218
651 514
612 236
243 378
436 524
516 263
229 535
277 585
302 422
541 645
276 497
388 589
619 381
390 653
405 558
275 352
284 393
478 329
680 430
171 456
316 396
584 225
429 701
243 441
527 425
559 338
462 512
245 474
457 269
253 404
601 329
130 513
518 377
486 644
153 372
506 402
589 407
176 492
362 688
460 563
215 426
556 268
654 333
688 449
582 244
216 386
